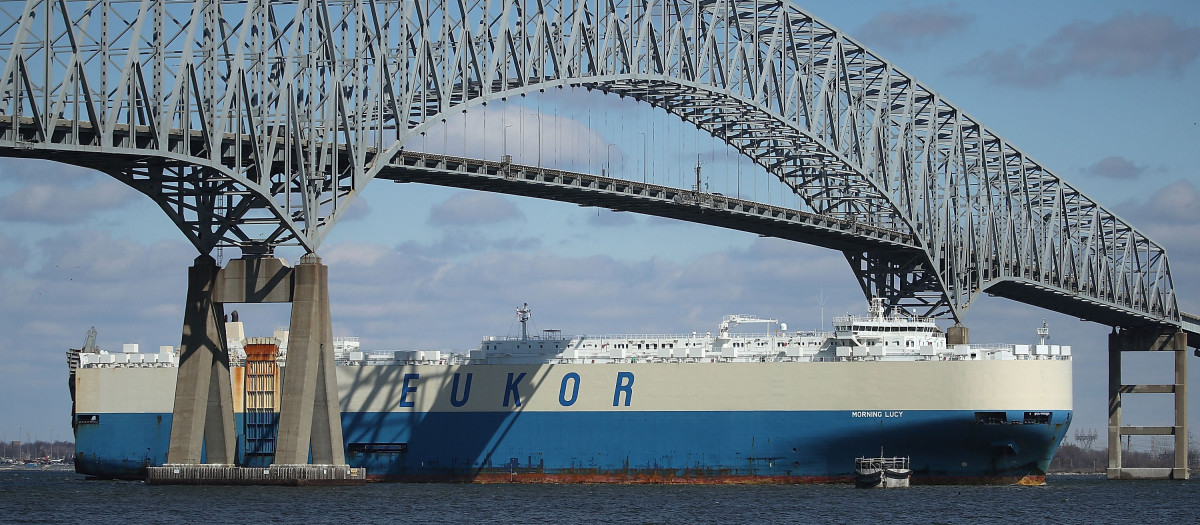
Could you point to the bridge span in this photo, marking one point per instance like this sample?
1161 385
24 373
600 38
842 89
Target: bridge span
718 210
254 124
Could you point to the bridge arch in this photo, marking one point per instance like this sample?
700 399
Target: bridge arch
782 148
290 108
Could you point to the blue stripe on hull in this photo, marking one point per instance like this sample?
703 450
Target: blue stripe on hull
614 445
122 445
639 446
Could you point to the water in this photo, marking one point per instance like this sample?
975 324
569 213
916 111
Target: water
41 496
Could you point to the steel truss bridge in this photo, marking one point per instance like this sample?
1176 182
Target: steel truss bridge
254 123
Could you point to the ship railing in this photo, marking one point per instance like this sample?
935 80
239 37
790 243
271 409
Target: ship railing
1033 357
847 319
502 338
880 463
680 337
993 346
661 337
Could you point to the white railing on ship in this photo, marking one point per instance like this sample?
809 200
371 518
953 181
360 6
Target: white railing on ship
888 318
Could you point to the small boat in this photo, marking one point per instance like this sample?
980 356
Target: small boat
881 472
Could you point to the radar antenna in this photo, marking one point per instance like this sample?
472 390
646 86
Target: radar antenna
523 312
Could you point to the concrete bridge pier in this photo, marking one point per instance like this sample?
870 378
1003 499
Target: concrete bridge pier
310 415
1147 339
203 412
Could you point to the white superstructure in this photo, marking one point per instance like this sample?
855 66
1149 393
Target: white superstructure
876 336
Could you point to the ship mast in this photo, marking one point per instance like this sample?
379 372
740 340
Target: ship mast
523 312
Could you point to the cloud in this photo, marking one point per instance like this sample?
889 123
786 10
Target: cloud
88 277
488 132
63 203
1125 45
473 208
359 209
1176 205
96 257
1115 167
919 26
27 171
353 255
459 242
13 254
1171 216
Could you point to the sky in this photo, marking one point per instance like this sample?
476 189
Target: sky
1101 92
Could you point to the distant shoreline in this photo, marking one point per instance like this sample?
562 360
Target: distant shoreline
60 467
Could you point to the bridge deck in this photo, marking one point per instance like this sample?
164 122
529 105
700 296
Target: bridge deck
1191 326
713 209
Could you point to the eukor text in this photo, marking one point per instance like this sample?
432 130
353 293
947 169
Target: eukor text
511 396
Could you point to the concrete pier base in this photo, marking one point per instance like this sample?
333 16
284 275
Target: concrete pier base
286 475
1147 339
202 418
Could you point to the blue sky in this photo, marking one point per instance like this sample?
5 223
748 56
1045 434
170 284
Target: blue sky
1103 93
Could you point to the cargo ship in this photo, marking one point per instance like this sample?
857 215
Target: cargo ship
749 403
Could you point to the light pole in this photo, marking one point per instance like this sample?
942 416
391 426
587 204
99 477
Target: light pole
643 134
539 116
610 145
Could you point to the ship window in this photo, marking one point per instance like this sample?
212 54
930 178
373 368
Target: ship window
1037 418
991 418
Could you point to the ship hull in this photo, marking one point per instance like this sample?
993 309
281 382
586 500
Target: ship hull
959 422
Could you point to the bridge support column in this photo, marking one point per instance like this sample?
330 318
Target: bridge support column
202 417
310 414
1147 339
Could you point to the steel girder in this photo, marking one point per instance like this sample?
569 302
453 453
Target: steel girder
254 122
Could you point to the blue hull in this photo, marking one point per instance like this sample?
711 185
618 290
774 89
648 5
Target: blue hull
632 447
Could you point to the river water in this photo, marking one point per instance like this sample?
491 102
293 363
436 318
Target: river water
46 496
